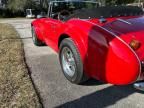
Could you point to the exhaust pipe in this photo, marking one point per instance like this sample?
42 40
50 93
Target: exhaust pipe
139 85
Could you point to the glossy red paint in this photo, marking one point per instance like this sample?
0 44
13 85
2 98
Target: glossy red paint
104 47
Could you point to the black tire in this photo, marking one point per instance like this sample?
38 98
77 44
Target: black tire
79 77
36 41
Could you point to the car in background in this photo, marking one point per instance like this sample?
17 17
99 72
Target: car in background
30 13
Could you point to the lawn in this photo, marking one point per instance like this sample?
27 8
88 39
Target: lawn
16 88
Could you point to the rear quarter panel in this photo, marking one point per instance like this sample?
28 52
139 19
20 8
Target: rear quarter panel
105 56
122 64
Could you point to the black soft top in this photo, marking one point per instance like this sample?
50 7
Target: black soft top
108 11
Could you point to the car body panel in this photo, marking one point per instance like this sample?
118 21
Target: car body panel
104 47
128 32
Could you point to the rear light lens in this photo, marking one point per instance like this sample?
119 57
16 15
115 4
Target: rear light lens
135 44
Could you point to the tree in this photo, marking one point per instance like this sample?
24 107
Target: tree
3 3
19 5
117 2
44 4
124 1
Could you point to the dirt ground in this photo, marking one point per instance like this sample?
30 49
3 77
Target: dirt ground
16 88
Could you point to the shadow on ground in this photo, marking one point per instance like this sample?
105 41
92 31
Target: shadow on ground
92 82
54 87
102 98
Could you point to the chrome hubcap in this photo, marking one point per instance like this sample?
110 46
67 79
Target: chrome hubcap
68 62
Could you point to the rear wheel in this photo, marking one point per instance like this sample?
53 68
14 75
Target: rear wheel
36 41
71 62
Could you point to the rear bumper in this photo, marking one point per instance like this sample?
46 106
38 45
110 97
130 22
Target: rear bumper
141 77
139 85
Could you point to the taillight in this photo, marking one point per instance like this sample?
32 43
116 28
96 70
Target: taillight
135 44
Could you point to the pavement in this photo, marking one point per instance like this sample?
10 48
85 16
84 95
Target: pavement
56 92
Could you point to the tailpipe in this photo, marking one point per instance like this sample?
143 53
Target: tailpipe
139 86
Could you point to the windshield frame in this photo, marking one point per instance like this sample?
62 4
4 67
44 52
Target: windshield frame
50 8
51 4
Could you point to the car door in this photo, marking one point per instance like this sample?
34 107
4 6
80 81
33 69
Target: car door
45 27
51 31
41 27
50 28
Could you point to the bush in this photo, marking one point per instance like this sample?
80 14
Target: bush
6 13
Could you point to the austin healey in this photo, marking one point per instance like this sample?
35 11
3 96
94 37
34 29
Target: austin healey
95 41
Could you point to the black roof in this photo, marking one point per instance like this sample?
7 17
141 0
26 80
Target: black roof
107 11
73 1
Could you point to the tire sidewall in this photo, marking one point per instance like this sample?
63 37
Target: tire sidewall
76 78
36 41
34 38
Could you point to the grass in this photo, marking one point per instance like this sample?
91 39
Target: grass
16 88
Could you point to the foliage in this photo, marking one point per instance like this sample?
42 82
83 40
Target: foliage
19 5
44 3
117 2
4 13
16 88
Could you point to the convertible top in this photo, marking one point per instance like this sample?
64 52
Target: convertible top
107 11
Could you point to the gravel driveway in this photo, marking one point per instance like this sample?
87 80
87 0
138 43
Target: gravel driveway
56 91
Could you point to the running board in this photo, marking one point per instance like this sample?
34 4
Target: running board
139 86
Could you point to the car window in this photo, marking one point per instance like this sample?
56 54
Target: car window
85 10
72 6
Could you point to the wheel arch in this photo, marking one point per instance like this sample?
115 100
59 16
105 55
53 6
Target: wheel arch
61 38
31 24
77 39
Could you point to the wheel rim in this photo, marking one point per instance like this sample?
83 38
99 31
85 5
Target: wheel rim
68 62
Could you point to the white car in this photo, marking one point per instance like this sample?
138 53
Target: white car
30 13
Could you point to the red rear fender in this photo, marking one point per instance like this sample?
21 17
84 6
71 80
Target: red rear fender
78 31
122 64
79 41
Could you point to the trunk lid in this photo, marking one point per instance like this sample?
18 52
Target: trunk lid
129 29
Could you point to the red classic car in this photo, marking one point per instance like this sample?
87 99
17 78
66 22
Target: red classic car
94 41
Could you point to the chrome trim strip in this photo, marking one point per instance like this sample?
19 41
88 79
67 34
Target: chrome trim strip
121 41
119 19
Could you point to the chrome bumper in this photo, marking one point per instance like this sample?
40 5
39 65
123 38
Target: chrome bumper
139 86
